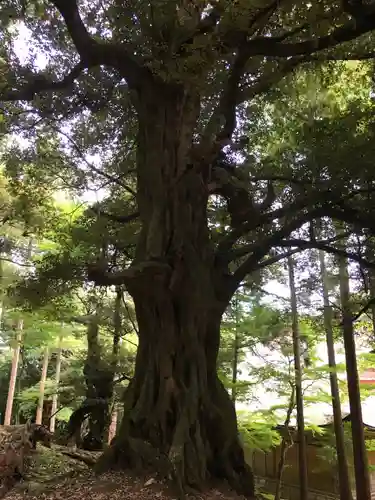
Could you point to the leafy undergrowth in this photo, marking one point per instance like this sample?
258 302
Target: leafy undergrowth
52 475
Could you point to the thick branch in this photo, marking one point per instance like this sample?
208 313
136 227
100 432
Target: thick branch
41 84
92 53
349 31
352 216
246 249
276 258
95 53
262 247
297 206
305 245
222 122
121 219
149 270
228 101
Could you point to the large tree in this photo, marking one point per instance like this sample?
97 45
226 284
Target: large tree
180 74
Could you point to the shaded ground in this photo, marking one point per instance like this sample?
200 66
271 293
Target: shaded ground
52 475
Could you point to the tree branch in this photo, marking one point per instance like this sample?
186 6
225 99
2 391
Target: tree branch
246 249
364 309
262 247
122 378
148 270
122 219
350 215
269 80
223 119
41 84
297 206
272 47
102 173
95 53
92 53
305 245
277 258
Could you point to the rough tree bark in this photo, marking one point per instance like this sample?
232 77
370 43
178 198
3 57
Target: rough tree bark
177 412
302 449
361 471
344 480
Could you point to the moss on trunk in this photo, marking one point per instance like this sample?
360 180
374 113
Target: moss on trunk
178 417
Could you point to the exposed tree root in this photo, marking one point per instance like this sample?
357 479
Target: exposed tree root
189 465
85 458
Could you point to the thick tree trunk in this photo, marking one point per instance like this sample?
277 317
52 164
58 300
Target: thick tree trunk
361 471
344 480
178 417
39 410
13 374
302 449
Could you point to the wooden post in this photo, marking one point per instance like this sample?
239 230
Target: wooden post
39 411
13 374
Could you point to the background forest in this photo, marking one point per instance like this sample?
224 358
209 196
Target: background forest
297 330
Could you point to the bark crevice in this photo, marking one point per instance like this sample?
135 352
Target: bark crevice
178 418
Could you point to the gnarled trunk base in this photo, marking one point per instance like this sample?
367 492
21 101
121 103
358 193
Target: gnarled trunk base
203 447
179 420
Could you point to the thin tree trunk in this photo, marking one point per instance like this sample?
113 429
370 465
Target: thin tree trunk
361 472
117 324
344 480
285 445
39 411
235 354
298 384
113 426
55 396
372 297
13 374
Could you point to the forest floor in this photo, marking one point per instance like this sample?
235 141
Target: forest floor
52 475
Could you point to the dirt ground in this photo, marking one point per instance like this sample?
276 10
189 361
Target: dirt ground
52 476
